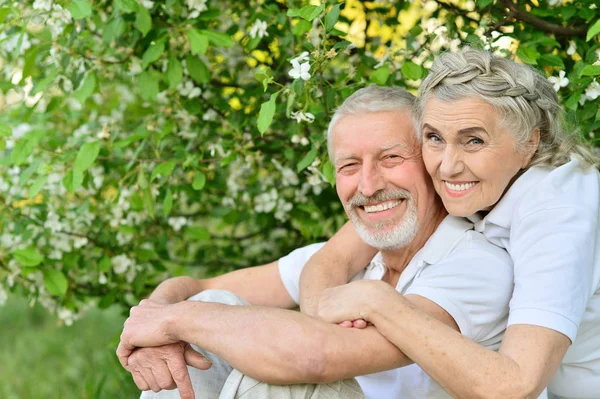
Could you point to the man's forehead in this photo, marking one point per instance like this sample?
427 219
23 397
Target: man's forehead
398 145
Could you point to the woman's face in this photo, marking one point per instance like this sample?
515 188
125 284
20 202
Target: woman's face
469 156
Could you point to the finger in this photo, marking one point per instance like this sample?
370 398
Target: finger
359 323
196 359
181 376
148 375
345 324
162 375
123 352
139 381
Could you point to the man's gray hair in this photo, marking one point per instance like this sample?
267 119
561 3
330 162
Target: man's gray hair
523 98
372 98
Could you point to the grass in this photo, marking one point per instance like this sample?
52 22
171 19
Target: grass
40 359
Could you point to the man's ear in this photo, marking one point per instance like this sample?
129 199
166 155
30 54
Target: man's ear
532 146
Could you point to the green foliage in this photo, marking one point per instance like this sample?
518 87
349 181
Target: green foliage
141 137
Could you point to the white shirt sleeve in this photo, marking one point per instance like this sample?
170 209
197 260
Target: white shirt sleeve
473 284
291 265
554 250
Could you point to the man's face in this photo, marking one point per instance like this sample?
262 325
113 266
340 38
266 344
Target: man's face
381 178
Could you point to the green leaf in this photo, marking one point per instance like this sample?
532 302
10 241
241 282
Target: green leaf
307 160
86 89
28 257
528 55
45 82
199 181
228 159
590 70
37 186
126 6
265 116
80 9
109 298
153 53
143 21
380 75
329 172
21 151
148 201
167 203
142 180
2 144
141 135
341 45
198 41
594 30
148 83
412 71
5 131
55 282
86 156
4 12
69 183
218 39
573 101
308 13
165 169
551 60
197 70
332 17
301 27
483 3
104 265
174 73
197 233
27 173
113 30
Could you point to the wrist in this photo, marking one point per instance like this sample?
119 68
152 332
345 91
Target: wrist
173 322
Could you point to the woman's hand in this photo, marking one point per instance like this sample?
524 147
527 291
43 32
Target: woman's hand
352 305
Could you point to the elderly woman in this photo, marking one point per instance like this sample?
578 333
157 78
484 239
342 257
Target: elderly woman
496 150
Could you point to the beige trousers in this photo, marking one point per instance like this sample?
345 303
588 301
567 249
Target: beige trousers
221 381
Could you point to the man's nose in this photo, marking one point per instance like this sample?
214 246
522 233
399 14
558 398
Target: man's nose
371 180
452 163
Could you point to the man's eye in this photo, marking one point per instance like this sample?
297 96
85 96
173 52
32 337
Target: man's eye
433 137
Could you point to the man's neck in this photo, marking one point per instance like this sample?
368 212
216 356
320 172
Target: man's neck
396 260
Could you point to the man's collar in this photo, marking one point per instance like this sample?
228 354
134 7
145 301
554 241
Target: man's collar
441 242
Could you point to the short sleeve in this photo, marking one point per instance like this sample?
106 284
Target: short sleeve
291 265
554 251
473 284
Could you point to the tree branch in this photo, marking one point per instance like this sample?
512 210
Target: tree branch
542 24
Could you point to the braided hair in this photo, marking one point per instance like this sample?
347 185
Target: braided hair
524 99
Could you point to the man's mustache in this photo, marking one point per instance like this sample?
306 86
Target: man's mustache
380 196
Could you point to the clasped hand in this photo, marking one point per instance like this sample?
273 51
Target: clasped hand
154 357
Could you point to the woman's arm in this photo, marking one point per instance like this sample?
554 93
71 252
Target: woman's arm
528 357
344 255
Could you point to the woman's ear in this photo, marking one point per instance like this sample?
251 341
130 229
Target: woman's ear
532 146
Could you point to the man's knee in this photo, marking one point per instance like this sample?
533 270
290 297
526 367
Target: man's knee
218 296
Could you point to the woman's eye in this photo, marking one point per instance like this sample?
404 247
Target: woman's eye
475 141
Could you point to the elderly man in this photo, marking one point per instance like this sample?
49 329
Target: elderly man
436 261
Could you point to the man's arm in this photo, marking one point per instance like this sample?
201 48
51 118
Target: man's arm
259 285
273 345
343 256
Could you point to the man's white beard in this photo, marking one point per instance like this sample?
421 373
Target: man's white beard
383 236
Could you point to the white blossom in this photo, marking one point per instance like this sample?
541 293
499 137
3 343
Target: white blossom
44 5
66 315
266 202
210 115
593 91
300 116
177 222
554 3
188 90
147 4
572 47
560 81
80 242
102 279
121 263
300 70
303 57
196 7
259 28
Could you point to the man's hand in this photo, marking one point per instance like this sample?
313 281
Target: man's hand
350 305
165 367
147 325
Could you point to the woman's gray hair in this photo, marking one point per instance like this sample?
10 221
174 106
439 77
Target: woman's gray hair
372 98
524 99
